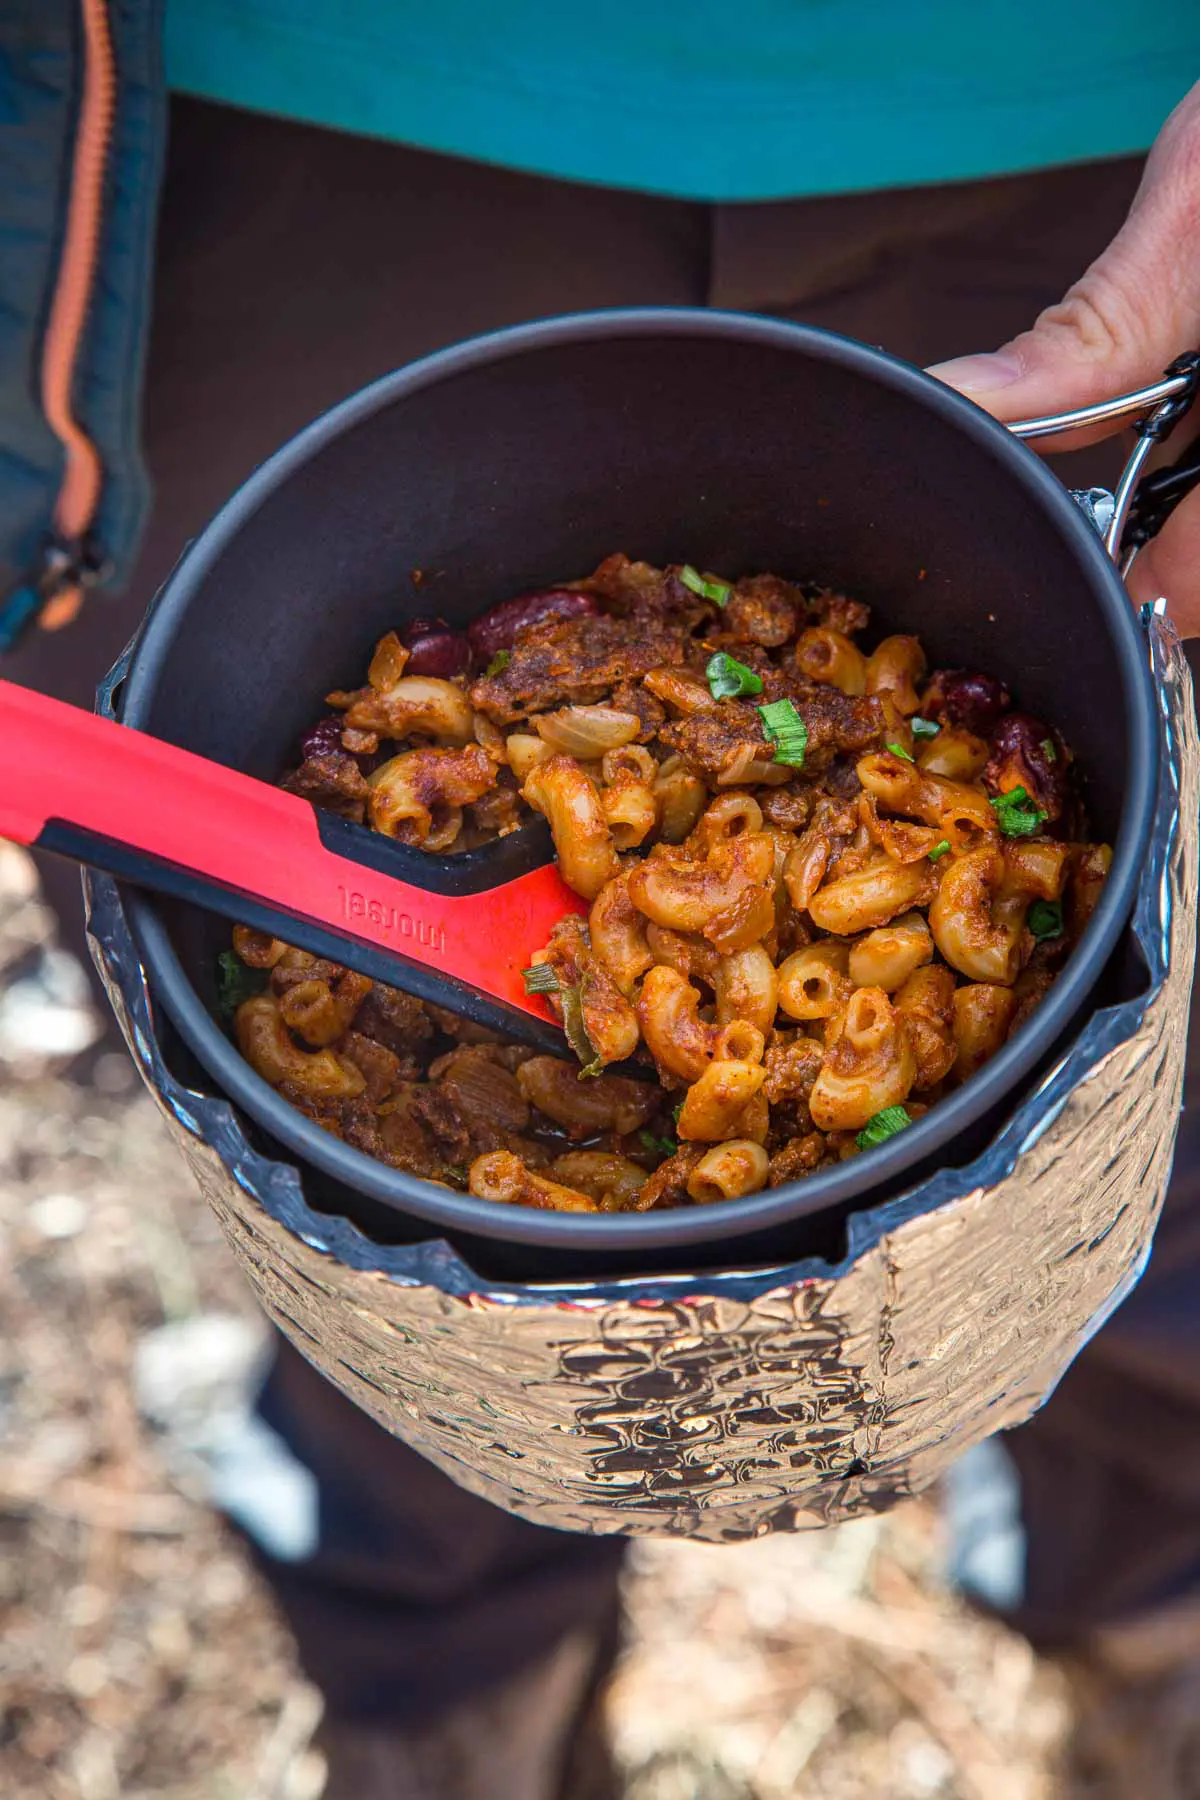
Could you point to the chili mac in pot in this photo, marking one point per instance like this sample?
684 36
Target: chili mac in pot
837 715
824 888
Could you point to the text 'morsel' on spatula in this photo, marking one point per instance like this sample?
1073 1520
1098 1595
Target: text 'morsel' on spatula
454 930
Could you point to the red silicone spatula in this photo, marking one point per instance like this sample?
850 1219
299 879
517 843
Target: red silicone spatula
456 930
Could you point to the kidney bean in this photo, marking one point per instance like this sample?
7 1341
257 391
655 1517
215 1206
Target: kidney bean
434 649
1028 753
323 737
497 629
418 628
968 699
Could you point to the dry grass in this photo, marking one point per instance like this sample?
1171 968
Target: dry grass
832 1666
142 1660
139 1655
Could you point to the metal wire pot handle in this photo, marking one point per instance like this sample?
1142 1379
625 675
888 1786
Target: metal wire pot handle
1129 517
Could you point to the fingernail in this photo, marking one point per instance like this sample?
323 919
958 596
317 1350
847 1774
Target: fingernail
979 374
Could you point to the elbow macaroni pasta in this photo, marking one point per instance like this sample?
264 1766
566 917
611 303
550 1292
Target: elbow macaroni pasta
799 927
729 1171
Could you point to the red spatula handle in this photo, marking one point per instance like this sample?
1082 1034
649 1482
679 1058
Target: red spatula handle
148 811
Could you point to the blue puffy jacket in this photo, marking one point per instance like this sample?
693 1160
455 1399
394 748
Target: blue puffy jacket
82 132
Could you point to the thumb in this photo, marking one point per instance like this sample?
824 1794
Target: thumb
1131 314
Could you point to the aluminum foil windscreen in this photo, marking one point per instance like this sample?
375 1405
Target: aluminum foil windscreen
724 1406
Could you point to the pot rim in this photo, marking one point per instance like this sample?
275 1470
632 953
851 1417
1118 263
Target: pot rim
834 1188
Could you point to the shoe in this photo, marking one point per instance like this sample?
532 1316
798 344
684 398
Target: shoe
539 1737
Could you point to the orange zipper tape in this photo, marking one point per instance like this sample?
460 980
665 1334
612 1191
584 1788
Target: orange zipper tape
83 473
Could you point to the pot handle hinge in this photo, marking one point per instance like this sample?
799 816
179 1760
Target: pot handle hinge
1137 509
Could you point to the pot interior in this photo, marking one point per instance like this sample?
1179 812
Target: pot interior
735 444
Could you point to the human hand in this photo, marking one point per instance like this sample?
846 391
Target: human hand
1119 326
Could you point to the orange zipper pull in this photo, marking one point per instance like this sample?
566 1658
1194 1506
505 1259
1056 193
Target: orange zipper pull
83 473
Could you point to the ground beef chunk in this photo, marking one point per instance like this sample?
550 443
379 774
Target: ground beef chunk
742 649
329 1114
435 1108
333 781
668 1184
838 724
381 1067
403 1142
632 697
472 1105
839 612
395 1138
792 1063
788 807
712 743
639 588
363 1129
764 609
579 661
840 778
799 1157
397 1021
499 811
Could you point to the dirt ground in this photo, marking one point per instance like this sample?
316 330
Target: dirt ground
140 1658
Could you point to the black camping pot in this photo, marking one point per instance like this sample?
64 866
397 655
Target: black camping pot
732 442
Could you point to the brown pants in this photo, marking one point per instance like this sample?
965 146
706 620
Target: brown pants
297 265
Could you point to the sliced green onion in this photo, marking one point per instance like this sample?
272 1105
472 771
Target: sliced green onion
785 731
540 979
923 728
884 1125
676 1110
939 849
899 750
716 591
656 1146
1045 920
237 982
727 677
499 662
576 1030
1050 749
1016 814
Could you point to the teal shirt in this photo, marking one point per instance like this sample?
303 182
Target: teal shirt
708 99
